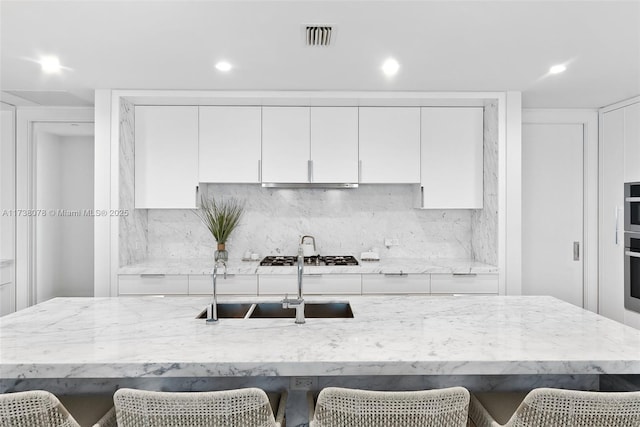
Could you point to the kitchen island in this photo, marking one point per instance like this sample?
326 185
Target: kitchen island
86 345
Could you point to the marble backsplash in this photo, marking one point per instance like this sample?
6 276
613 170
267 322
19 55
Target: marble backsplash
484 222
132 231
347 221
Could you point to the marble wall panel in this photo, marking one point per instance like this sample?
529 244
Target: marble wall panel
484 222
346 221
132 233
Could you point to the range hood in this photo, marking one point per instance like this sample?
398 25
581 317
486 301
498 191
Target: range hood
310 185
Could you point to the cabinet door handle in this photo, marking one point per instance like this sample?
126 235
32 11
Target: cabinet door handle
465 274
197 196
259 170
421 197
576 251
312 275
310 170
401 274
152 276
359 170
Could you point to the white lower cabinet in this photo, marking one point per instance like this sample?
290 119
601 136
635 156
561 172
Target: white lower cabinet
312 284
332 284
278 284
395 283
485 284
7 298
153 284
234 284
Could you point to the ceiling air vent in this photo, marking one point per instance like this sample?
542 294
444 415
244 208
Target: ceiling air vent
318 35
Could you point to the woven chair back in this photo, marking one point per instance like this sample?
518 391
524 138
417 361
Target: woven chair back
556 407
339 407
247 407
36 408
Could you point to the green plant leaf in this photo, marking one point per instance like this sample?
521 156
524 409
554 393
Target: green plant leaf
220 217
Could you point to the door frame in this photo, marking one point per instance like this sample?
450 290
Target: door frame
26 118
589 120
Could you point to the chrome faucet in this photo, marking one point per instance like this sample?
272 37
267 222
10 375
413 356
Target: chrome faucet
297 303
312 239
212 309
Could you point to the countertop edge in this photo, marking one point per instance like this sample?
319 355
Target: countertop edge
388 266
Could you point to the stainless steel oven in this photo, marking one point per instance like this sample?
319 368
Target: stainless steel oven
632 206
632 271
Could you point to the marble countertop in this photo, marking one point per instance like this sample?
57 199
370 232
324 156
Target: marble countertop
389 265
400 335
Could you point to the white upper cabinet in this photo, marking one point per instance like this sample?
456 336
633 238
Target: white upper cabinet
309 145
166 156
452 158
389 145
334 144
230 144
285 144
632 143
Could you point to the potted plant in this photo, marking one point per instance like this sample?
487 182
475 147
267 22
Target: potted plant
221 218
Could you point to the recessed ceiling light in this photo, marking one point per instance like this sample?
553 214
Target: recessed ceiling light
390 67
223 66
50 64
557 69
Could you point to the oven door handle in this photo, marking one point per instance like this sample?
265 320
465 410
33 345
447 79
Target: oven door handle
632 254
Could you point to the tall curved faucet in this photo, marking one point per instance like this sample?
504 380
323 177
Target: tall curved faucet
314 242
297 303
212 309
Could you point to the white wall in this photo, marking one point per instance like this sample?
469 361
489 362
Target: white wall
48 228
64 247
77 231
7 205
7 182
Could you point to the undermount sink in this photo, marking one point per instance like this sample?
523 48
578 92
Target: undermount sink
229 311
274 310
312 310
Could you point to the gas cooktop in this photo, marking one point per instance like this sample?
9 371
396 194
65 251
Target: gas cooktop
309 260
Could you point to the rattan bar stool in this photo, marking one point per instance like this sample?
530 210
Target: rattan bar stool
544 407
247 407
37 408
342 407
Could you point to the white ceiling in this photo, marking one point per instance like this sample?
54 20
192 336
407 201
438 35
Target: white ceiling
441 46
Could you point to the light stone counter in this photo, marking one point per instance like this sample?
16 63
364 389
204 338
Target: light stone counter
160 337
389 265
87 345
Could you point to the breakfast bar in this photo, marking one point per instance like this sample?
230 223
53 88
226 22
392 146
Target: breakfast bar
95 345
